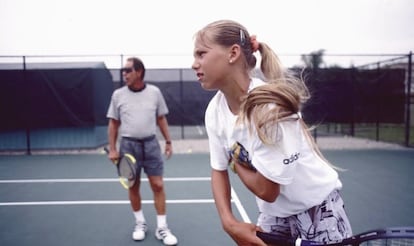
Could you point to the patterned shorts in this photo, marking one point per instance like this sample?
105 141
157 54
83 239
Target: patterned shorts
147 152
326 222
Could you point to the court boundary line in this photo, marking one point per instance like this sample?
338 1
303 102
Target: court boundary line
93 180
101 202
234 197
239 206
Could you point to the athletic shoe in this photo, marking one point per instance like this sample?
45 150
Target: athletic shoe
166 236
139 231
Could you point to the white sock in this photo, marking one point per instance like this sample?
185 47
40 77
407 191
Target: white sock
162 221
139 216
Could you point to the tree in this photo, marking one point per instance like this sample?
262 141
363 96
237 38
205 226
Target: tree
314 59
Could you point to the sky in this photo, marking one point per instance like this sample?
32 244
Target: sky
161 31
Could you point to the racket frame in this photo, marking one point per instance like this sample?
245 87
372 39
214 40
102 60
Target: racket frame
125 181
377 234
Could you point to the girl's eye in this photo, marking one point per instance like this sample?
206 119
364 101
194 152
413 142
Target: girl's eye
200 53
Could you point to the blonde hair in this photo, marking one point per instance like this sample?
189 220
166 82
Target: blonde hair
226 33
266 105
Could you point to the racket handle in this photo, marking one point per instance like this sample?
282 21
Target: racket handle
106 150
272 239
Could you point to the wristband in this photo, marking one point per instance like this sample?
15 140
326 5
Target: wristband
239 155
168 142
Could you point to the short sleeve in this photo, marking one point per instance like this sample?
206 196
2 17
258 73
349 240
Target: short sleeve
113 112
218 153
162 108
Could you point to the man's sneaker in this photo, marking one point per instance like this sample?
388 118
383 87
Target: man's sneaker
139 231
166 236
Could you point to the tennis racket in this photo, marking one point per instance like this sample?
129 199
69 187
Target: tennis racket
392 236
126 167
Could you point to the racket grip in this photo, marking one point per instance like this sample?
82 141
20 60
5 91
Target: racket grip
271 239
106 150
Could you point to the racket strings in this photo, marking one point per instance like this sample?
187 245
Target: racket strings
127 175
126 169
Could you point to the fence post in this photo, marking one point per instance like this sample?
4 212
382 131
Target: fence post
181 101
28 144
121 78
378 103
408 100
315 74
353 71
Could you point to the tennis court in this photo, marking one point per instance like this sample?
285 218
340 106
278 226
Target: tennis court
75 199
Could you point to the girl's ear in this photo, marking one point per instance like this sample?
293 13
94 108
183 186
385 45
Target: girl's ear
234 53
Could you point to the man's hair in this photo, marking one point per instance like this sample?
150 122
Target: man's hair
138 65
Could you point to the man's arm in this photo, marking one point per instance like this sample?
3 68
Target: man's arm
163 125
113 128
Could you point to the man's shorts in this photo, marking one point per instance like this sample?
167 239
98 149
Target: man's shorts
147 153
326 222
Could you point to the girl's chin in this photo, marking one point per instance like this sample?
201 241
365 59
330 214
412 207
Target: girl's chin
207 86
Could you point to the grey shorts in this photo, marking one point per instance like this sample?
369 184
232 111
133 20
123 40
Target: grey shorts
147 153
326 222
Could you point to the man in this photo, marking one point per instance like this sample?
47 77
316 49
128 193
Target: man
138 107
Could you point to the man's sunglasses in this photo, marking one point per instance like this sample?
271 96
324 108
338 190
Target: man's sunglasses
126 69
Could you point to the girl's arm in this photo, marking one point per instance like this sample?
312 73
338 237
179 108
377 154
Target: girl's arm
242 233
260 186
220 185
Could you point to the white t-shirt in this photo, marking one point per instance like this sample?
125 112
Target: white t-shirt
137 111
305 179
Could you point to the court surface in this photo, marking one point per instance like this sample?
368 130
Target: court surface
77 200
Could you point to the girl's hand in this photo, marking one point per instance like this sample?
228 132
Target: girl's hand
244 234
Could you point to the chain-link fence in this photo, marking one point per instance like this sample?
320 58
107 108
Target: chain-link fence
367 96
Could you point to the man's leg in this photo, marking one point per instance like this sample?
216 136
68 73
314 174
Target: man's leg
135 196
157 186
135 199
162 232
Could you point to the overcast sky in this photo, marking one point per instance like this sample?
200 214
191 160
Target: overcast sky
166 27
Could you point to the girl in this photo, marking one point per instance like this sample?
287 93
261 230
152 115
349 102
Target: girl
256 128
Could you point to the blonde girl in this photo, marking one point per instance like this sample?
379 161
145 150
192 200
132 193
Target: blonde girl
255 127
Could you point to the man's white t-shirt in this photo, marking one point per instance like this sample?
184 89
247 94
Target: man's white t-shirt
137 111
305 179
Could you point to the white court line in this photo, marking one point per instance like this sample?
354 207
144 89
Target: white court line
19 181
90 180
234 195
242 211
102 202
